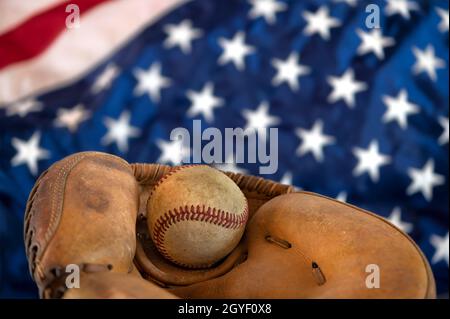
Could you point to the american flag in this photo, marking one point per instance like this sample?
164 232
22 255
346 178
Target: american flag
362 112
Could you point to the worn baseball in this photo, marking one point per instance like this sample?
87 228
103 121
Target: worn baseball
196 215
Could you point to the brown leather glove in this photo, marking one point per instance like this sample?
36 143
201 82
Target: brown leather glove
83 211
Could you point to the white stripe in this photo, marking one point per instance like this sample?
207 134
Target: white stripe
14 12
103 30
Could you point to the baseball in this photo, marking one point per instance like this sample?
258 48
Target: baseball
196 215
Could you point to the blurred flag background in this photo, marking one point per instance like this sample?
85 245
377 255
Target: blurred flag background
362 112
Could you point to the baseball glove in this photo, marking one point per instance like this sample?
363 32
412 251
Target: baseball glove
89 209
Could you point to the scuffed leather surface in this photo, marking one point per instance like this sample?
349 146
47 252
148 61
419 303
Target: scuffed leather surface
83 210
109 285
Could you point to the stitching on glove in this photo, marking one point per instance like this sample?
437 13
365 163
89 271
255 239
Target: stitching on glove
259 185
57 187
318 275
280 242
55 281
198 213
54 217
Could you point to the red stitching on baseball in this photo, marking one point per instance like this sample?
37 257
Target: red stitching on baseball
202 213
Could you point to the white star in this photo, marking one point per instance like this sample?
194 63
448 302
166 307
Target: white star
260 119
181 35
345 87
373 42
313 141
351 3
230 166
29 152
105 79
441 245
71 118
370 161
443 139
286 179
173 152
342 197
443 14
399 108
235 50
267 9
151 81
320 22
289 71
402 7
396 219
423 180
427 62
119 131
22 108
204 102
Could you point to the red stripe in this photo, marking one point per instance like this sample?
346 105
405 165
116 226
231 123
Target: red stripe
37 33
